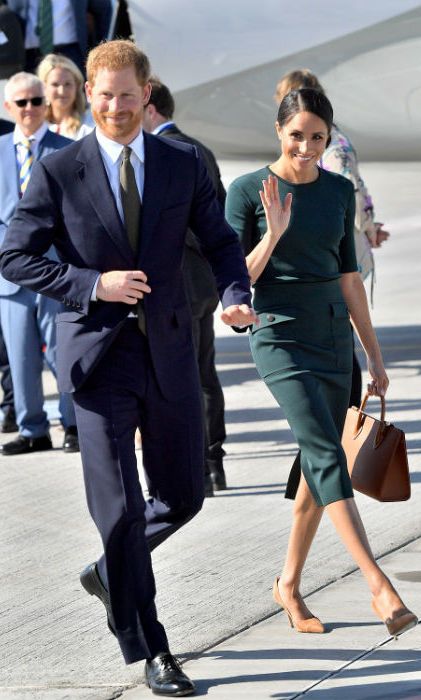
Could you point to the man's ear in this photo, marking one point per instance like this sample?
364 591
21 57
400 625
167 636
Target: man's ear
146 93
88 91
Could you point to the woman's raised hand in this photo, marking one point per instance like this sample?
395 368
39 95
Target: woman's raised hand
277 215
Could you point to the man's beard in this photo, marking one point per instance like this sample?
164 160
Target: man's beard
116 129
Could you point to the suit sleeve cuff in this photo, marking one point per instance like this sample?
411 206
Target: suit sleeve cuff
94 288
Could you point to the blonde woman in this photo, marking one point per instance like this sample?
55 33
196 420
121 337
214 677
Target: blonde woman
64 93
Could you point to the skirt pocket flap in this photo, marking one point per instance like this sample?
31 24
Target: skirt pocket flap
271 318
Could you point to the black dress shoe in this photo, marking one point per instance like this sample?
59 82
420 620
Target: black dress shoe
208 486
164 676
23 444
92 584
9 424
71 440
217 474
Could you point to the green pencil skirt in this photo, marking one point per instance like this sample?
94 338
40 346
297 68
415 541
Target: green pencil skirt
302 348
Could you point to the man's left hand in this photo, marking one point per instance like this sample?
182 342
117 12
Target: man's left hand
241 315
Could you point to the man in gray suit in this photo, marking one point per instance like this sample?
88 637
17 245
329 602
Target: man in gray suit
27 319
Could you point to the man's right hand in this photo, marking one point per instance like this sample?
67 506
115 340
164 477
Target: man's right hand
127 286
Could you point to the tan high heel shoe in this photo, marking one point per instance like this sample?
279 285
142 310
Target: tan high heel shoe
402 621
312 625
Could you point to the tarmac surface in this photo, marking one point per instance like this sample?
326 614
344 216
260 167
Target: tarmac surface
214 577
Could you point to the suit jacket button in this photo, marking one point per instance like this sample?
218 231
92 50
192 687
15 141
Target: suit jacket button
270 317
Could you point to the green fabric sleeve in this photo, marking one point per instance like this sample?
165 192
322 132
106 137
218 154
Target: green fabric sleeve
347 246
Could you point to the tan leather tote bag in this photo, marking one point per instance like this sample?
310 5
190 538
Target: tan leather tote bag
376 455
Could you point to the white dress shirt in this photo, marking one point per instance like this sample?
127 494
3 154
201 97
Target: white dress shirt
64 24
111 153
162 127
35 140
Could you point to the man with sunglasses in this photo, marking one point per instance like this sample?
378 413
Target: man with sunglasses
27 319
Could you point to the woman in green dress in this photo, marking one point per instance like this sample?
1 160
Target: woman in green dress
296 223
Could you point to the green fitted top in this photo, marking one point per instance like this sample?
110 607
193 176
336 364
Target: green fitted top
318 244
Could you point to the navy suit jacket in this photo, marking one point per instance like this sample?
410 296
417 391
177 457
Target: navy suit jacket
6 127
69 203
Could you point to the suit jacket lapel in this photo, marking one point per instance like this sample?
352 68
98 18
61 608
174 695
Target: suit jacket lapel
42 146
48 144
92 173
157 175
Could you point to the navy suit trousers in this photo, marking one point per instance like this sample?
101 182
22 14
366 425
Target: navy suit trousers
120 395
213 396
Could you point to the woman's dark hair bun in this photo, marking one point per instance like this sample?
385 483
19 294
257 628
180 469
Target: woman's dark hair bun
306 100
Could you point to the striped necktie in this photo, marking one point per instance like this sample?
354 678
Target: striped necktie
45 26
26 165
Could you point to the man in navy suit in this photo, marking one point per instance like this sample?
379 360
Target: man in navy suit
27 319
69 27
117 205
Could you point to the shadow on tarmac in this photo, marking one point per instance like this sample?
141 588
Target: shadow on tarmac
395 662
404 690
248 415
230 493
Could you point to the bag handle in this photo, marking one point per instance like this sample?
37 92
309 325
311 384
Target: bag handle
383 405
382 422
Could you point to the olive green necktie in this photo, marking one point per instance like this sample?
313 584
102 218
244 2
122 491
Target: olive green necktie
132 211
45 26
